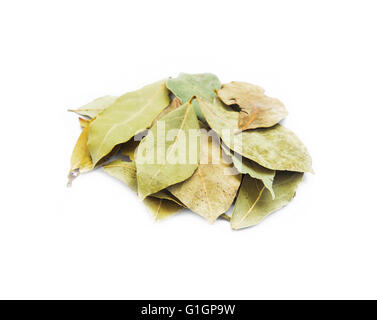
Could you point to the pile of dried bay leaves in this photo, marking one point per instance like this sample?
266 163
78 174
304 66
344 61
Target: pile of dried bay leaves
190 142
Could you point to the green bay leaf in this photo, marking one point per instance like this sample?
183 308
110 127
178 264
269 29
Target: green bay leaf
127 116
254 203
275 148
186 86
156 168
210 191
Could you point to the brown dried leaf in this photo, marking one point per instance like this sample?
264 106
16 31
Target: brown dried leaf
257 109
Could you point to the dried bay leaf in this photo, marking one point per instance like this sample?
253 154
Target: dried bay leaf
247 166
186 86
257 109
80 159
161 205
128 115
93 108
275 148
156 170
210 191
254 203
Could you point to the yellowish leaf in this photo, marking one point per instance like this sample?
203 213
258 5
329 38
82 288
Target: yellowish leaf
80 159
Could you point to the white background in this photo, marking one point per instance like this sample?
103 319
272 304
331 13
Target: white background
97 240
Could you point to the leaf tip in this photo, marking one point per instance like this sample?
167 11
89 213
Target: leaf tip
72 175
233 227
